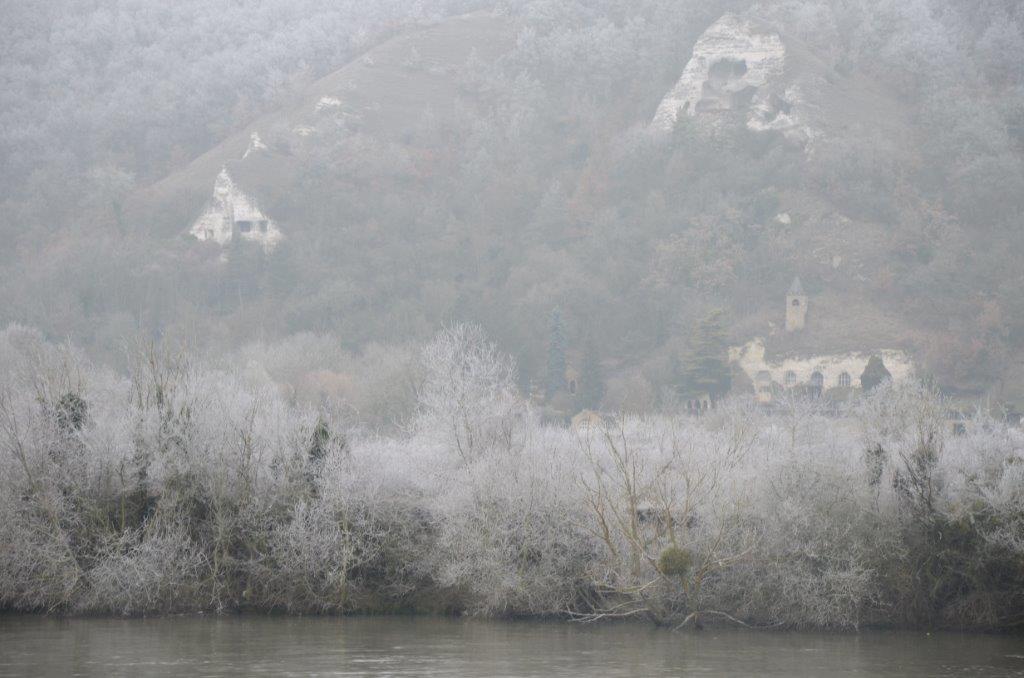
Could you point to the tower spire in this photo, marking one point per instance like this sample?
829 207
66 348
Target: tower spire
796 306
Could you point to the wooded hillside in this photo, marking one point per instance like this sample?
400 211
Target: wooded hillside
497 182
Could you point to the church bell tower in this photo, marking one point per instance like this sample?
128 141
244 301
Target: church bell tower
796 306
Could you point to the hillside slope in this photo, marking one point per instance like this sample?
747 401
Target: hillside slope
382 95
494 166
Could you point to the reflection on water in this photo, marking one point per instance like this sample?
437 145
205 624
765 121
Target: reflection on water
398 646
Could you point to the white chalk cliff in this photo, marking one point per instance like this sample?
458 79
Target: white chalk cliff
736 65
230 214
255 145
794 371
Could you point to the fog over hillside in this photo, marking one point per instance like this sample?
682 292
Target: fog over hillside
692 311
637 165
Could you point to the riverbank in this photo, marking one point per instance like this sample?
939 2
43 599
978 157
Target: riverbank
191 488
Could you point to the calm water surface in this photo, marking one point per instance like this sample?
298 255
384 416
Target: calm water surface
396 646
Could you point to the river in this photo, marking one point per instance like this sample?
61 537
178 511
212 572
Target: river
401 646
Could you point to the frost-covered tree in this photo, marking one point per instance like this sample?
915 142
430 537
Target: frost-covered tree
469 398
190 487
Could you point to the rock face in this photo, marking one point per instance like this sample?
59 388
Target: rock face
255 145
326 102
737 65
230 214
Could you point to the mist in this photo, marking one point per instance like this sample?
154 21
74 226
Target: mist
696 312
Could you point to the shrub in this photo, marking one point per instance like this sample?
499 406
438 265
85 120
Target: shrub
190 488
675 562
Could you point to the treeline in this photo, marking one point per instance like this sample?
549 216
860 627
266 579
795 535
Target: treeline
185 487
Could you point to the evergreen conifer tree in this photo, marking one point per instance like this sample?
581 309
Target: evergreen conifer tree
676 376
557 345
706 368
874 373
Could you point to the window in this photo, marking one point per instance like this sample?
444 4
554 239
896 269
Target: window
844 380
572 386
796 302
244 226
790 378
